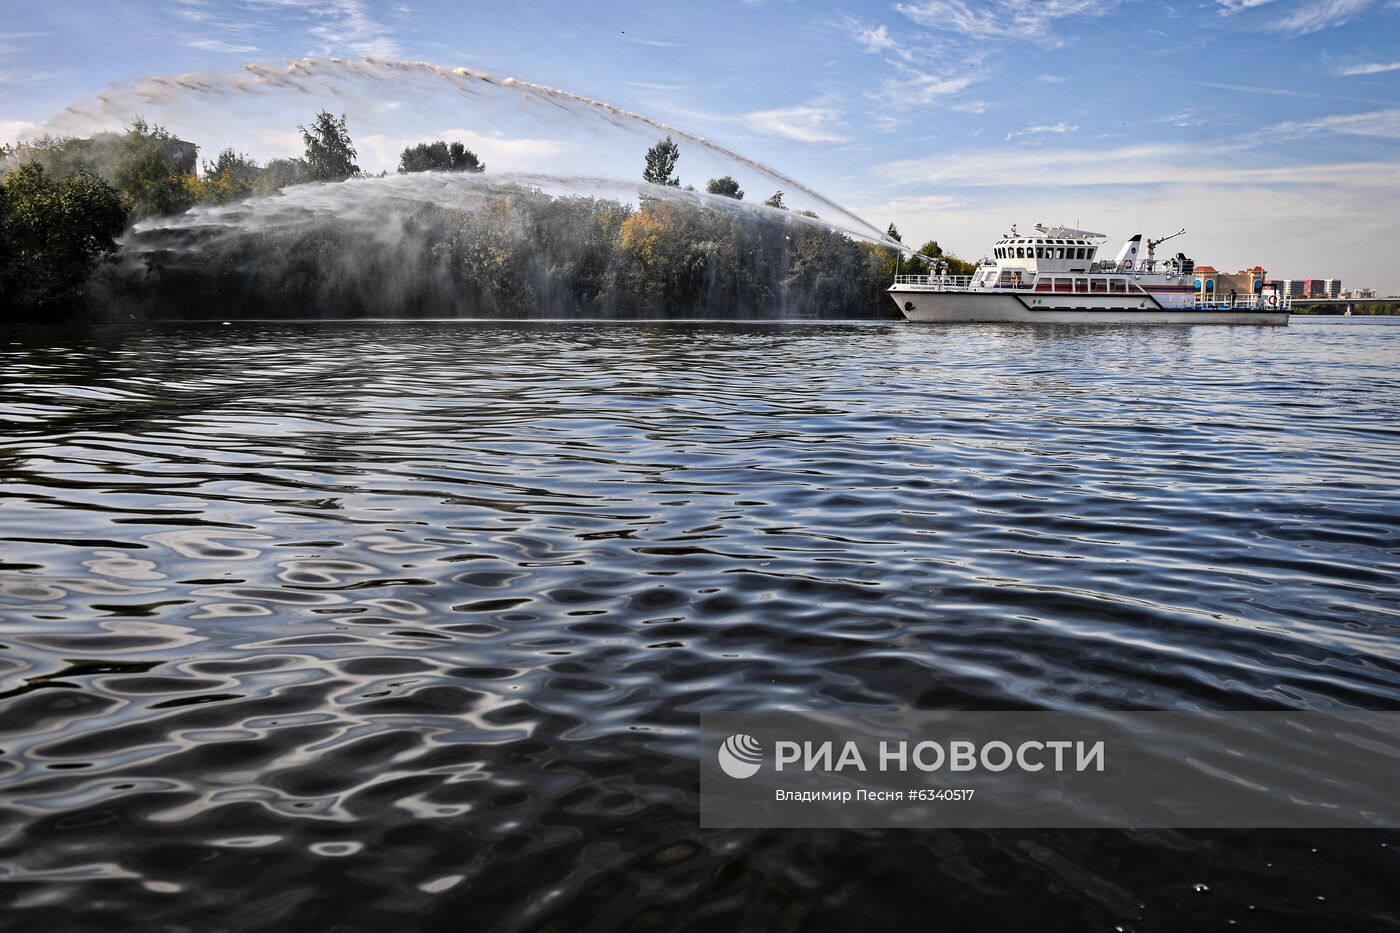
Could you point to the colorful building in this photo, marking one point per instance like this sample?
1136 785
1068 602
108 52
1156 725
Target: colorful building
1245 282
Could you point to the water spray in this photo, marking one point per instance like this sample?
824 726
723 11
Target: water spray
315 76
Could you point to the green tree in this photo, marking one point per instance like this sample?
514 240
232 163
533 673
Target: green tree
463 159
661 163
52 234
424 157
61 156
914 265
726 187
330 155
231 176
893 234
439 156
776 200
956 266
280 173
155 173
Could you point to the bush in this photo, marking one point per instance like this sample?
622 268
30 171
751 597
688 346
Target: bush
52 234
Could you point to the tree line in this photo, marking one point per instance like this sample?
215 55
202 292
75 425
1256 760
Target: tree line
65 202
660 169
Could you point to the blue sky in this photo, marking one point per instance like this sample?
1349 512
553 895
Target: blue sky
1270 129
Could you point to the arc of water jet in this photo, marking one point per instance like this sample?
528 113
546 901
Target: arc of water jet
617 112
293 76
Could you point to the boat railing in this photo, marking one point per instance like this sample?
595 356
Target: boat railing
1217 302
1203 300
1144 267
937 282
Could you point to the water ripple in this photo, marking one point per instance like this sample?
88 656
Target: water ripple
434 607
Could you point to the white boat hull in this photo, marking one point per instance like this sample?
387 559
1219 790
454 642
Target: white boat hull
1027 307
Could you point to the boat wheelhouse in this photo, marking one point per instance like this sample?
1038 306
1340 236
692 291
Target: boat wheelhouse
1056 275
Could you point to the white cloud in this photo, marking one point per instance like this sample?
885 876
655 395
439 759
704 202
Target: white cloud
1378 124
1231 7
285 142
19 79
1143 164
920 88
805 123
658 43
12 131
1002 19
1281 92
929 69
920 203
339 24
1371 69
1053 79
1059 128
194 11
501 153
873 39
515 151
219 45
1182 118
335 26
1316 16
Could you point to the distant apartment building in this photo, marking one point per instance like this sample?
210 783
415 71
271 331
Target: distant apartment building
1253 281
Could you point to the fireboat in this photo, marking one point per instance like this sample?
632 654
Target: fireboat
1055 276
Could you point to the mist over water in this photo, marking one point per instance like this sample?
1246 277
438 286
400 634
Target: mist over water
437 244
534 237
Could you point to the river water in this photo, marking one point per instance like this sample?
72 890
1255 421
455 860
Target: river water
405 625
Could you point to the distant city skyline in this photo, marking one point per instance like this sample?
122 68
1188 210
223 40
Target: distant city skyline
1270 129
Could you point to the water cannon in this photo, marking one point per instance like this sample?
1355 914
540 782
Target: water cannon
1153 244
